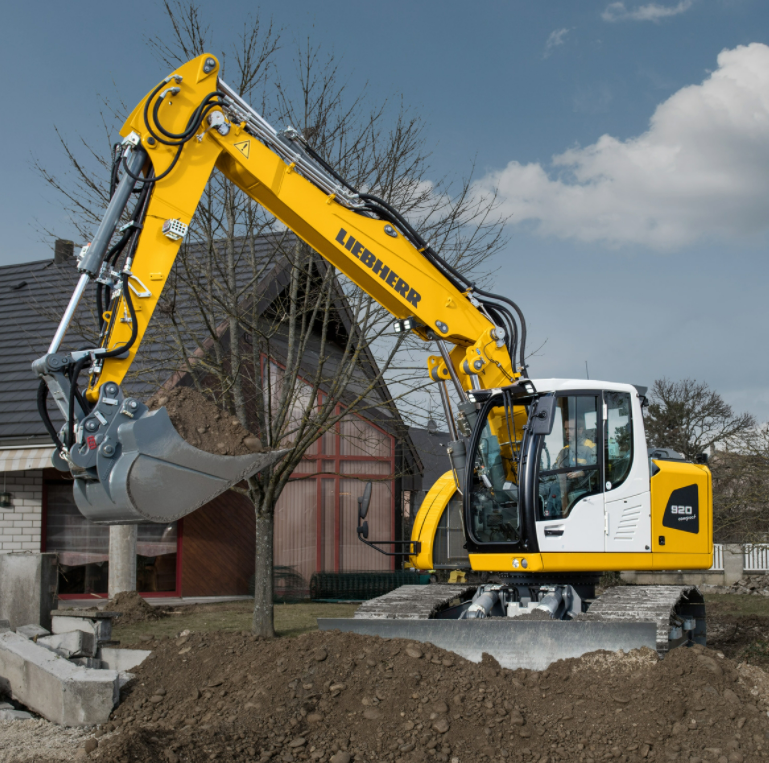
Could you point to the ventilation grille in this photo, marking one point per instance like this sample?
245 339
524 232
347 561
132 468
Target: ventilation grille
628 523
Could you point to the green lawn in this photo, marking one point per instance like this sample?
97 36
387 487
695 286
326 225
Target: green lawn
736 604
290 619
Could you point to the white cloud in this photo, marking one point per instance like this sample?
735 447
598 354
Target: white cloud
556 38
650 12
700 170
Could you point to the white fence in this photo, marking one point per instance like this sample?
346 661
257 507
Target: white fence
755 558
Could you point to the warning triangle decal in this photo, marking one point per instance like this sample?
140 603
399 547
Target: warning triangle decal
244 147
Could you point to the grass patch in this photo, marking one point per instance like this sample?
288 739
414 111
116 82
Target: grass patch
735 604
290 619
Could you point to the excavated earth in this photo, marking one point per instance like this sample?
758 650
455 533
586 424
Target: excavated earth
205 425
329 696
132 608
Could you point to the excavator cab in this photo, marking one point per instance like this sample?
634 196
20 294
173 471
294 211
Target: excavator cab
546 470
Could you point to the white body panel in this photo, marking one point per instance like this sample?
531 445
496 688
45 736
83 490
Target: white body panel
582 529
619 519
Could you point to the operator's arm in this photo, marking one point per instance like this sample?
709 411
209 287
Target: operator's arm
277 172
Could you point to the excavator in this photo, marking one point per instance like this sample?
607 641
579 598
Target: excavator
552 477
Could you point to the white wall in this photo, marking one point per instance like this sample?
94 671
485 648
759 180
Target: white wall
20 526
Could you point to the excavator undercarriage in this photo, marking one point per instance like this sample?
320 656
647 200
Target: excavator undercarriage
526 622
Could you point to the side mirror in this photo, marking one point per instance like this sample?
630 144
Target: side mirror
542 416
363 529
363 502
701 458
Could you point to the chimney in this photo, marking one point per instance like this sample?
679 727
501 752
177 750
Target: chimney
62 251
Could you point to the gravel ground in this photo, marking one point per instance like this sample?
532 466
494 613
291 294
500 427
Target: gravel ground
40 740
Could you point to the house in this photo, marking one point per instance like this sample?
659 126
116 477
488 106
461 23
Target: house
211 551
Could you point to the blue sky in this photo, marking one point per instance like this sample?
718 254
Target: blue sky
630 140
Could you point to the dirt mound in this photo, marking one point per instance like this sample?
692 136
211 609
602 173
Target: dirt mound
205 425
133 608
333 698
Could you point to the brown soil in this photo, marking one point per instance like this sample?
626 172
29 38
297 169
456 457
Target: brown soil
335 697
743 638
133 608
205 425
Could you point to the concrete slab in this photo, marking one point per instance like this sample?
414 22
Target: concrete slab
156 601
28 585
72 644
15 715
101 628
53 687
122 659
32 631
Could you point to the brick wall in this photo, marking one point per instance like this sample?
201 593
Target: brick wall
21 525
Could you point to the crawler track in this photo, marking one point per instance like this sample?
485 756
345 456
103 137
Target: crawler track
413 602
666 606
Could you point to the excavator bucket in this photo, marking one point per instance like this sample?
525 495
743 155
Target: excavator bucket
142 470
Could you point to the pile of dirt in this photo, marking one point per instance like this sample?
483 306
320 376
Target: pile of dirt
133 609
204 425
334 698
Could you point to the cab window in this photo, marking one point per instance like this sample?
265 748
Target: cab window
568 458
494 515
618 438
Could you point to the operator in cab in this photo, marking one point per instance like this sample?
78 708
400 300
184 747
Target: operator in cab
579 450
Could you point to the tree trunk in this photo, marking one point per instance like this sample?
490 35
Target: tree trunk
263 623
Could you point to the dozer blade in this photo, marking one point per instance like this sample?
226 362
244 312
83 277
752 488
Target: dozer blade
530 644
144 471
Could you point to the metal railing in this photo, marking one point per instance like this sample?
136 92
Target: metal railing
718 558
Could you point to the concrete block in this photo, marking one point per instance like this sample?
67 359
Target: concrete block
124 678
734 557
5 626
53 687
28 585
72 644
32 631
101 627
15 715
122 659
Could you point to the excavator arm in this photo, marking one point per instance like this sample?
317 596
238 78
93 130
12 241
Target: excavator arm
276 171
189 125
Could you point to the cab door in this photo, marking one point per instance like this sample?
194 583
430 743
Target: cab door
627 498
570 510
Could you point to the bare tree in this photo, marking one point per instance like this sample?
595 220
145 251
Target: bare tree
691 418
283 359
740 469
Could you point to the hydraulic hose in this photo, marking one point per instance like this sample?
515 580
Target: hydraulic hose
42 409
76 369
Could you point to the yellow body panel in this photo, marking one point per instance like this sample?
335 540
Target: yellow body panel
593 562
426 521
673 476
